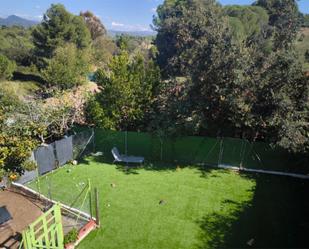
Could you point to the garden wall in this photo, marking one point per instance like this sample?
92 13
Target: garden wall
200 150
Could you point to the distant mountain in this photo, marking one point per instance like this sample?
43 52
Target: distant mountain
18 21
113 33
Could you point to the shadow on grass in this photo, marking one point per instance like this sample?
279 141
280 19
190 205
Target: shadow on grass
151 166
276 217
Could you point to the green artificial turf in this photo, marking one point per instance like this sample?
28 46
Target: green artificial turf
202 208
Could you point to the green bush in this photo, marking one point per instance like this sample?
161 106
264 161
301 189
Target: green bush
68 67
71 236
29 165
7 67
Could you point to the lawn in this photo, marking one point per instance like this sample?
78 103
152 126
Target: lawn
202 207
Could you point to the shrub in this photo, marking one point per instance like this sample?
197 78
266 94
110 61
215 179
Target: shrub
7 67
71 236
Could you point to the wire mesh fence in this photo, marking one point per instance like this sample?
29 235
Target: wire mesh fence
55 186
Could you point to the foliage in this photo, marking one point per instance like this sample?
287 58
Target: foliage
230 88
305 20
95 114
127 91
26 124
284 19
16 143
58 28
7 67
301 47
70 237
179 24
68 68
103 49
94 25
16 44
307 56
249 25
135 45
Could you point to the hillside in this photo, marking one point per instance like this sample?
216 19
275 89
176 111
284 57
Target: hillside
17 21
114 33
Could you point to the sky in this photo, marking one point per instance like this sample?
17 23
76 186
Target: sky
124 15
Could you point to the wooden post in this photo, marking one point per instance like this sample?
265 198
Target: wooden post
97 212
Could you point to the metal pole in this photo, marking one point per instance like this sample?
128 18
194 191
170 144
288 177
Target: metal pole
243 152
93 141
97 212
221 152
126 142
90 197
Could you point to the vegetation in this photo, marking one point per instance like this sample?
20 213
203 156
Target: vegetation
94 25
16 44
68 68
232 88
70 237
7 67
202 208
58 28
305 20
211 70
127 91
302 47
248 25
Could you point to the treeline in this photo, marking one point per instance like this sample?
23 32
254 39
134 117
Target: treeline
225 71
211 70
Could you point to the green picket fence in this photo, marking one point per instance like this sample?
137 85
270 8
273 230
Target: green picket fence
192 150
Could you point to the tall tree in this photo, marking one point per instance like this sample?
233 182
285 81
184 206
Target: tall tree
194 41
57 28
228 88
127 92
94 24
284 18
249 24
